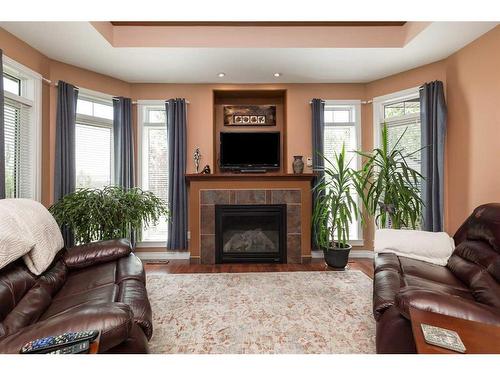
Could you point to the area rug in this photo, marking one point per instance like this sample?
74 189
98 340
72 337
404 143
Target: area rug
269 312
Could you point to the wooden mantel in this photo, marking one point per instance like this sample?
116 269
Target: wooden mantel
249 188
250 177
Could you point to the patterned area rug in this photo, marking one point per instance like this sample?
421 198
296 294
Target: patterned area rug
271 312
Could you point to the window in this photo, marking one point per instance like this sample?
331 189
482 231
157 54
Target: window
12 84
153 162
22 92
93 142
401 113
342 126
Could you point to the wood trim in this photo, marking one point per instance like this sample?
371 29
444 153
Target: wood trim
250 177
262 23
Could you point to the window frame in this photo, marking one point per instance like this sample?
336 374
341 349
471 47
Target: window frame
31 96
356 105
378 109
142 109
379 114
99 122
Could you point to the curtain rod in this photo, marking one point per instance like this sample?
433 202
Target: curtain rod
55 84
371 100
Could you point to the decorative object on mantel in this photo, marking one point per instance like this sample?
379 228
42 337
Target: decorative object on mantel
197 158
298 164
249 115
206 170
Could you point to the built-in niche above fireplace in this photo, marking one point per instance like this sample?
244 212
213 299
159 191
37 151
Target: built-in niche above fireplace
250 111
250 233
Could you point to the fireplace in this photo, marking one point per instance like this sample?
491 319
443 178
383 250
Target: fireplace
250 233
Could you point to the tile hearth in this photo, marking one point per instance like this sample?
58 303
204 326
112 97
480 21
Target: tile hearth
212 197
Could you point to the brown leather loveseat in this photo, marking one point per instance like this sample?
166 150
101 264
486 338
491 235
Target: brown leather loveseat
468 287
97 286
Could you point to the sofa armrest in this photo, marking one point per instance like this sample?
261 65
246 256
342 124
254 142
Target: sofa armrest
445 304
114 321
96 252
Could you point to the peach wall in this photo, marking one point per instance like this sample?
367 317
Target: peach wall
473 96
200 110
54 70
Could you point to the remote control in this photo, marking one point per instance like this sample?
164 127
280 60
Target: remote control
50 343
81 347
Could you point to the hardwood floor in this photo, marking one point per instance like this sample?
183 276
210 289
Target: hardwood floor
183 266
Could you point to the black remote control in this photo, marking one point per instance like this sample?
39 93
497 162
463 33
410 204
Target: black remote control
51 343
78 348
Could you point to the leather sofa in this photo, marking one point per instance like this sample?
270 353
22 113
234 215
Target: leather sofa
468 287
96 286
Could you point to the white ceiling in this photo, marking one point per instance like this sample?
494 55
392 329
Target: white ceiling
79 44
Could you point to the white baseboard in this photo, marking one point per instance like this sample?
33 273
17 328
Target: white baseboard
162 255
318 254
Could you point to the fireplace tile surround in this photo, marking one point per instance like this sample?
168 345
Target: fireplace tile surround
207 191
211 197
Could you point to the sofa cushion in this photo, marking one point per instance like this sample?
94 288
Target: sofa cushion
114 321
445 304
36 300
477 264
15 282
86 255
134 294
120 280
392 273
37 226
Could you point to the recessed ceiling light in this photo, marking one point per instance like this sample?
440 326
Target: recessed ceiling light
221 74
277 75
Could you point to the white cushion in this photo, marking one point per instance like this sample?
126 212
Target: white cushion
35 225
12 248
431 247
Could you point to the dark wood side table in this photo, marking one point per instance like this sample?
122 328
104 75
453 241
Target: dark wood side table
478 338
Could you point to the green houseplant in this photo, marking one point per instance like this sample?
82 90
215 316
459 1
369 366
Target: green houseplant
334 209
389 186
111 212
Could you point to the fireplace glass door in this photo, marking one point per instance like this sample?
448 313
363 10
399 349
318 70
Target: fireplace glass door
250 233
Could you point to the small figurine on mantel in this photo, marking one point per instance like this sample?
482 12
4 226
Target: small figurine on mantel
206 170
197 158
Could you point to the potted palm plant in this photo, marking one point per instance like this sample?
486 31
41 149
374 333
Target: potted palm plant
389 186
334 209
112 212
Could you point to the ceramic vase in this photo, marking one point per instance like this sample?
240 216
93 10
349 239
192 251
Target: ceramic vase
298 164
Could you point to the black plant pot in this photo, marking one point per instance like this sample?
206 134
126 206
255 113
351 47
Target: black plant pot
337 257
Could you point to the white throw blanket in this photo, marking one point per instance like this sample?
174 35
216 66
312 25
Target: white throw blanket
31 221
432 247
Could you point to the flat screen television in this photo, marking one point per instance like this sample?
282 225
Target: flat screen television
249 151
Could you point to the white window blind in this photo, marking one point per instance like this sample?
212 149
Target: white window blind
342 127
154 165
93 156
18 148
94 142
402 118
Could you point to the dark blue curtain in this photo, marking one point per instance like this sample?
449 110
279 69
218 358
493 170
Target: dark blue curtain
2 135
123 142
177 189
433 122
318 139
65 174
